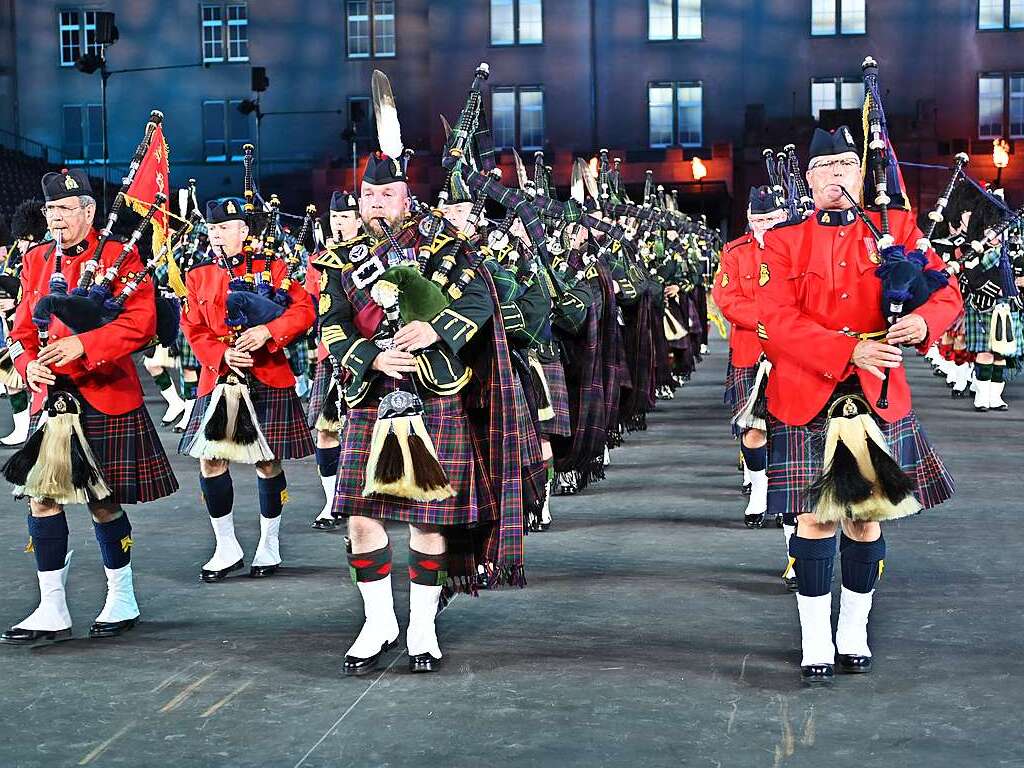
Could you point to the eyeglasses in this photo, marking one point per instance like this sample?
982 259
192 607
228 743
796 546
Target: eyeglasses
63 210
846 165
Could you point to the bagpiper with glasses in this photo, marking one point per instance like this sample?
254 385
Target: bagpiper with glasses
822 323
91 372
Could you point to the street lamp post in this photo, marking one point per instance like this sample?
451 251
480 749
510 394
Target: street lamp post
1000 158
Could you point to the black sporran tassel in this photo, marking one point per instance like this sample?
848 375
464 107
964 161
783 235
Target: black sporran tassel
17 467
427 471
896 484
391 462
217 425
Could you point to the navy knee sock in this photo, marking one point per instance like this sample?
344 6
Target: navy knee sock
218 493
997 373
983 371
815 563
327 460
861 563
49 541
115 540
273 494
756 459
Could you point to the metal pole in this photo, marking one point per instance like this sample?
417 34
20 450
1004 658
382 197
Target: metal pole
355 160
104 74
259 144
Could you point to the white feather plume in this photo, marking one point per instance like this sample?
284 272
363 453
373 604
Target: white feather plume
389 131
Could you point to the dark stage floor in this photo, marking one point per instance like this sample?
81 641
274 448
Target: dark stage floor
655 631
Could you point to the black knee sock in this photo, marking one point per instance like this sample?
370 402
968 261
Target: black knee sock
188 389
756 459
115 540
370 566
327 460
162 380
218 493
983 372
862 563
997 373
431 570
19 401
273 494
814 564
49 540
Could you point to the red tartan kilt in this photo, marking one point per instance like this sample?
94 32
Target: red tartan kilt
280 416
129 453
797 457
318 392
448 426
559 425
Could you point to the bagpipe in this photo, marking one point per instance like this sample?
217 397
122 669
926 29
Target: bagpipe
230 429
861 480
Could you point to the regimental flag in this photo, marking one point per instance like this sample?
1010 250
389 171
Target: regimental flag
895 188
153 176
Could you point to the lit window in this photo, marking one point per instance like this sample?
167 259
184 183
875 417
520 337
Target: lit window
689 26
990 106
689 101
990 14
1017 106
531 118
370 28
838 17
659 111
835 93
517 21
503 117
659 20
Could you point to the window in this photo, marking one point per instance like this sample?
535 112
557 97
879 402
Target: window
1017 106
676 114
517 112
225 32
674 19
225 130
517 22
990 106
77 31
360 116
370 28
835 93
83 132
1000 14
238 33
838 17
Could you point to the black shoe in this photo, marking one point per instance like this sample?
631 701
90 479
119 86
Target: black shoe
981 408
211 576
778 521
262 571
545 526
111 628
424 662
854 665
817 674
325 524
753 521
19 636
958 394
354 666
791 583
746 489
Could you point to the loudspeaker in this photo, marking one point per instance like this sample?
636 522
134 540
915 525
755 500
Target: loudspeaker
260 82
106 32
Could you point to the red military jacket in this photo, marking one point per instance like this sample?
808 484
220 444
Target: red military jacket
312 286
105 374
204 322
733 292
816 291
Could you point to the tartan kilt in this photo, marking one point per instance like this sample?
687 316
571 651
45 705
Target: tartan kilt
557 426
448 426
186 356
318 392
739 380
280 416
797 459
978 324
128 451
297 354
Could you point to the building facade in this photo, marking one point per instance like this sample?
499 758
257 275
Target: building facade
658 82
